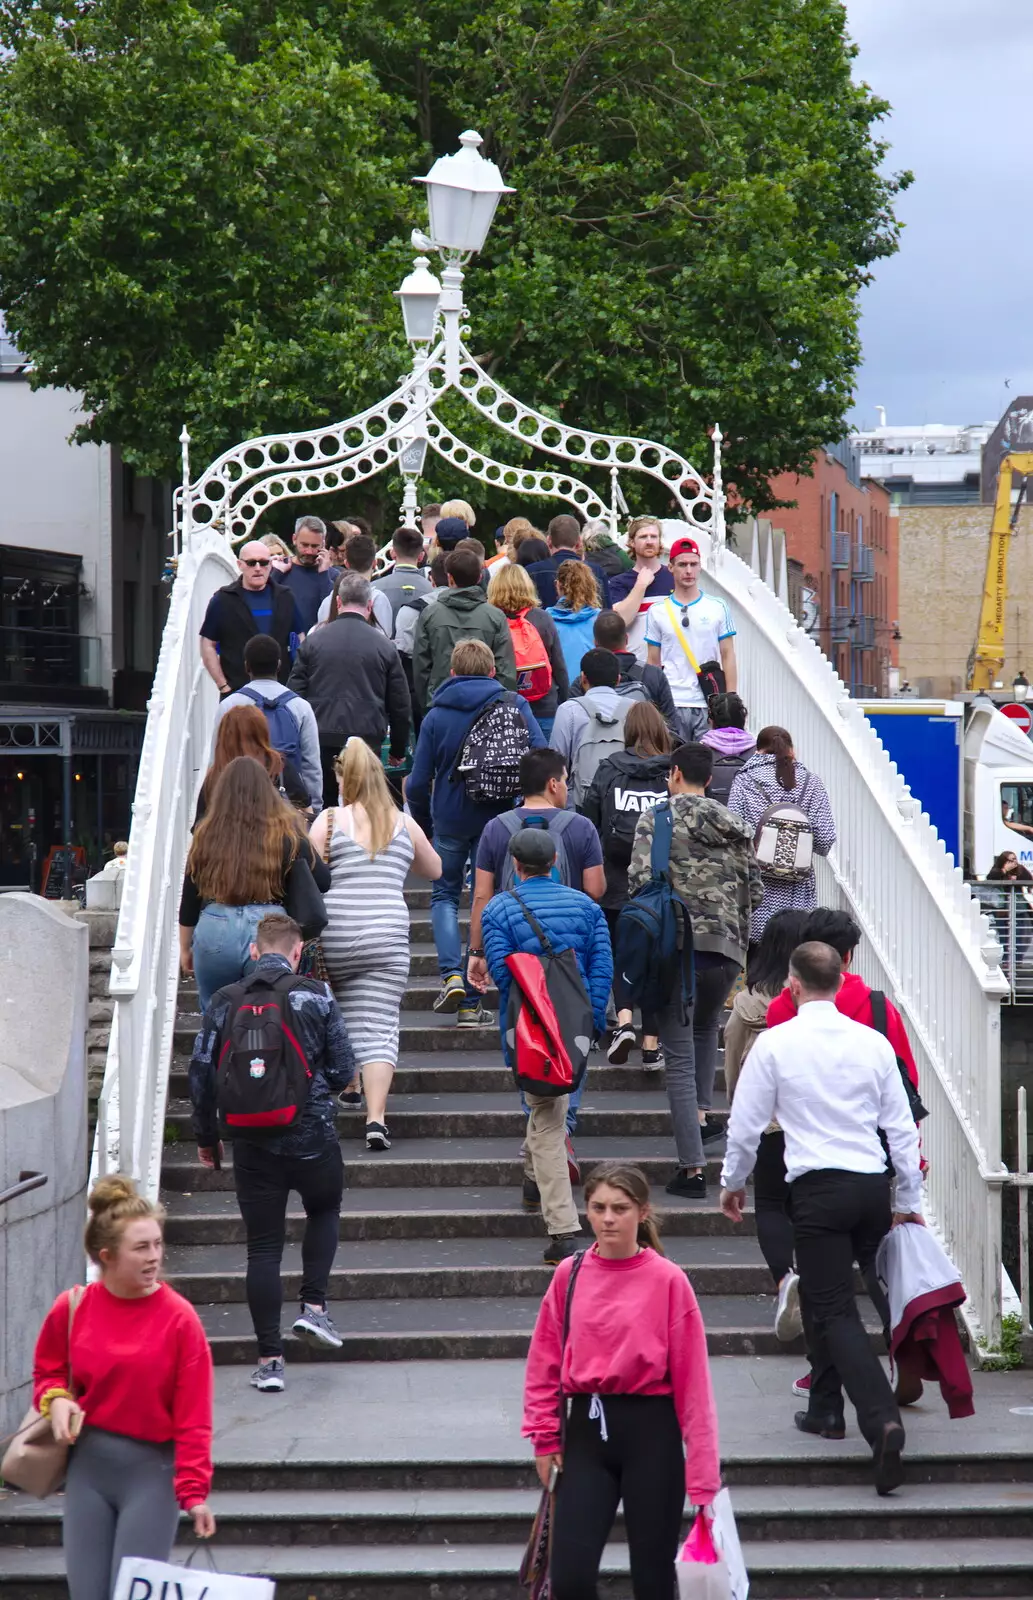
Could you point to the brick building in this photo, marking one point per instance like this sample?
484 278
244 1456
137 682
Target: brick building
842 533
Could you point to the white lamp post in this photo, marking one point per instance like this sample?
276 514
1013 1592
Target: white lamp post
462 193
419 296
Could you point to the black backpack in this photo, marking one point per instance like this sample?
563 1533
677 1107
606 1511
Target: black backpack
262 1077
645 943
623 802
488 762
881 1024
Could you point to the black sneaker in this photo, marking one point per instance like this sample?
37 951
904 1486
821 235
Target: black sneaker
713 1128
377 1136
558 1249
653 1060
451 994
531 1195
823 1427
690 1188
621 1044
889 1469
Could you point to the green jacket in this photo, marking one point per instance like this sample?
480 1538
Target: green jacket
713 870
458 614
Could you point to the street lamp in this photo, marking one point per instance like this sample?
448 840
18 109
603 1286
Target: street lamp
419 296
462 193
1020 685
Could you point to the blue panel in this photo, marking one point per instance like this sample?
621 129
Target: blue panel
927 752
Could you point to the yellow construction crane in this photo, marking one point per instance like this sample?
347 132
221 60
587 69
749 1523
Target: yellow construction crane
986 662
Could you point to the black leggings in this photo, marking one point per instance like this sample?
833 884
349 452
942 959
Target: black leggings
641 1461
264 1182
621 998
771 1202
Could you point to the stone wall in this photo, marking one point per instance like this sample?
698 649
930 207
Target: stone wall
943 553
101 927
44 962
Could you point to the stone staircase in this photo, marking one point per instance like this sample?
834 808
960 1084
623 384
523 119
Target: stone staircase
439 1273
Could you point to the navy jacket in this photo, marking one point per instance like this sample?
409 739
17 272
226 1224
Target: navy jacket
572 922
543 575
437 802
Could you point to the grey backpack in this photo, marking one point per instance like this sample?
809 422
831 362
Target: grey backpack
603 737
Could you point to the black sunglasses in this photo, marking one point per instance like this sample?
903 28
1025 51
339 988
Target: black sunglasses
256 561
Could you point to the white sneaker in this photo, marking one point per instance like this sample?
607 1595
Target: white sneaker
316 1327
788 1320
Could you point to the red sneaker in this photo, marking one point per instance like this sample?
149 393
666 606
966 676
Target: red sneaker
573 1165
802 1386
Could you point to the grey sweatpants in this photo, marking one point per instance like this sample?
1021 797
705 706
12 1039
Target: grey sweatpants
119 1501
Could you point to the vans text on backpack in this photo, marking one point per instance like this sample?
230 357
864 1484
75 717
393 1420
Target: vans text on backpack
549 1022
604 736
556 827
488 762
533 667
262 1076
784 839
284 732
645 946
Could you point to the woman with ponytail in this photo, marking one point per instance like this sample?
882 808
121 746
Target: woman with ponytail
370 846
774 777
642 1428
124 1373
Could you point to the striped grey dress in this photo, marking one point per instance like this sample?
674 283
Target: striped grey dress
366 940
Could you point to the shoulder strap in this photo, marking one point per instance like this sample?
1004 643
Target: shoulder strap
511 821
680 634
535 926
252 695
880 1017
663 830
329 835
75 1296
576 1266
563 820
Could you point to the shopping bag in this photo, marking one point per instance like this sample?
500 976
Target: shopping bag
710 1565
140 1579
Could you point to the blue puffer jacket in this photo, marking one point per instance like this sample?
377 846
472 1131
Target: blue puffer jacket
571 921
438 803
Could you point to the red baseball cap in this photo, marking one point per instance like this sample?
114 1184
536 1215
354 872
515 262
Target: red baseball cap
684 547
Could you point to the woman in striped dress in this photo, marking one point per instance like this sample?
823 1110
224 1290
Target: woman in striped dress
366 940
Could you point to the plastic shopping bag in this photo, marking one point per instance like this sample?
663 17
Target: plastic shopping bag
140 1579
710 1564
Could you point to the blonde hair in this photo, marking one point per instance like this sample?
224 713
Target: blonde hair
638 523
461 509
518 529
273 542
511 590
114 1203
576 583
361 780
472 658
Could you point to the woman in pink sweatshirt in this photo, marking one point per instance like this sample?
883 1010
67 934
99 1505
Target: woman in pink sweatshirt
642 1426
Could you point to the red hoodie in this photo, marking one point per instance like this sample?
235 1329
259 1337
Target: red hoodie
854 1000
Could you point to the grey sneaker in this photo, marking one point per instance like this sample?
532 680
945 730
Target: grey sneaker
268 1375
316 1327
451 994
475 1016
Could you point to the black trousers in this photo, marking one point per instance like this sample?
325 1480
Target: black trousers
839 1218
264 1181
642 1462
771 1203
621 998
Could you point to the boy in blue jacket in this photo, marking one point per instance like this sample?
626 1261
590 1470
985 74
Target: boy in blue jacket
571 921
441 806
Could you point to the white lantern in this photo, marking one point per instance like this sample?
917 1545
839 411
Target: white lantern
462 193
419 294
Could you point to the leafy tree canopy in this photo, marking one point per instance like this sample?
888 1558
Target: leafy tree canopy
204 208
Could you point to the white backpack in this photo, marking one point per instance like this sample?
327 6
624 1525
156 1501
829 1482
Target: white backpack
784 839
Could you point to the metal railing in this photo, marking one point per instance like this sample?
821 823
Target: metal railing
27 1181
863 563
145 957
839 624
840 552
44 658
862 632
1010 909
925 940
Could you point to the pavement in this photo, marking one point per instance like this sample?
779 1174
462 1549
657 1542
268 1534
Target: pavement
471 1410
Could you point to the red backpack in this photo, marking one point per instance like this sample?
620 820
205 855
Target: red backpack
549 1023
533 671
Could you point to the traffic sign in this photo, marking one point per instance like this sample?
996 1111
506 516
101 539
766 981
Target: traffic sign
1020 714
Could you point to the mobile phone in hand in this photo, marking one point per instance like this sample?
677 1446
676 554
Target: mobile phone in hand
554 1477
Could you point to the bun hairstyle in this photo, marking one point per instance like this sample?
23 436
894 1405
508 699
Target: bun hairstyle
114 1202
631 1181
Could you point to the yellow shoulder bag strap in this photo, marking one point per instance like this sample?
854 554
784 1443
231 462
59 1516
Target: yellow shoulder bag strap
682 640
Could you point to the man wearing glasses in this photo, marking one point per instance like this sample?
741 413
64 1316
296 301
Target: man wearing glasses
251 605
686 630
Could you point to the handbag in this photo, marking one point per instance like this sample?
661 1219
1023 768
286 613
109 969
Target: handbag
139 1578
534 1568
34 1460
710 1564
302 900
313 957
711 674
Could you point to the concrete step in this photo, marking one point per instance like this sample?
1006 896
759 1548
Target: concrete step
421 1269
441 1213
452 1163
420 1030
418 899
476 1327
861 1569
457 1516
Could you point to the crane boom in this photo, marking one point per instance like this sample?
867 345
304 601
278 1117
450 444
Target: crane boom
986 662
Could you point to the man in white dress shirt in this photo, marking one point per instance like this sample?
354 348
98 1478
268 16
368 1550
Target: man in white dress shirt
831 1084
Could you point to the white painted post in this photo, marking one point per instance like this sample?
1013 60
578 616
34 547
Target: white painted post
719 496
1022 1167
186 520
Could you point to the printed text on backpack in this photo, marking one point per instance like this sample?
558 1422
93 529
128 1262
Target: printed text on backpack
488 762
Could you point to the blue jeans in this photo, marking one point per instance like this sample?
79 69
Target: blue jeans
545 723
445 894
222 946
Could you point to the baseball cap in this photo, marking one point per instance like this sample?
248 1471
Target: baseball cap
533 847
684 547
449 531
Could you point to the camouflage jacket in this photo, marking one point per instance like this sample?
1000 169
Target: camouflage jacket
713 870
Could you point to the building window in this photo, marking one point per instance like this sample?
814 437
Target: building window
833 512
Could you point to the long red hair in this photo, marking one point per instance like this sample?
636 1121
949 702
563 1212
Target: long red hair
243 731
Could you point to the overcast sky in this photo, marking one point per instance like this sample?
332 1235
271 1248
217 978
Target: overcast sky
950 317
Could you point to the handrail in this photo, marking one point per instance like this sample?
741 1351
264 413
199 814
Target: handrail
27 1181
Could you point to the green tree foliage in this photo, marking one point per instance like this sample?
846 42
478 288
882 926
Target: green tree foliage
203 210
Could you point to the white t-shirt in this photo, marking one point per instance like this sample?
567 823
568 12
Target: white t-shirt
708 623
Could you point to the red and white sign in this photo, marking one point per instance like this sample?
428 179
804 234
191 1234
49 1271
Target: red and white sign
1020 714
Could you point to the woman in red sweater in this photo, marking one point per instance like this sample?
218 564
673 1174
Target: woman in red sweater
131 1391
642 1426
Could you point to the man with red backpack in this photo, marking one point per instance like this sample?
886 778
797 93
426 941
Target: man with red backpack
269 1054
542 918
438 798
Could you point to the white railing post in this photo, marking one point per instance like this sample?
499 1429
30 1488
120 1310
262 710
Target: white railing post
1022 1168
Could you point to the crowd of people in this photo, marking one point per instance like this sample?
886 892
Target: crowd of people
559 729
